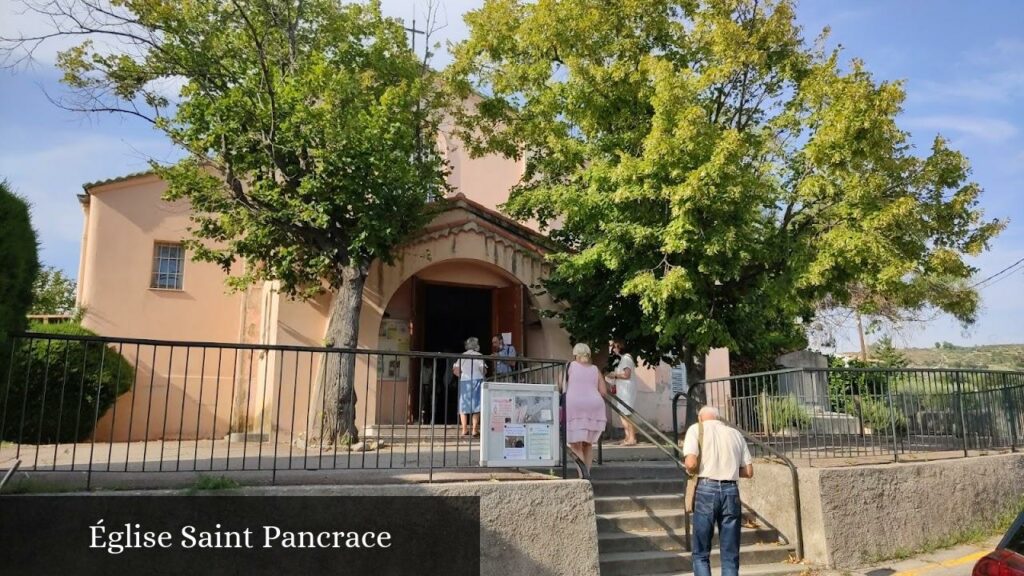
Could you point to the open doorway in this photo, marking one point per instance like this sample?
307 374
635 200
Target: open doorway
446 315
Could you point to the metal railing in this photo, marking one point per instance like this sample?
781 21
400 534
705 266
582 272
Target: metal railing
854 415
100 404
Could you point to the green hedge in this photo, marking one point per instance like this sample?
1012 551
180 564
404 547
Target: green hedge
19 263
877 415
58 387
787 413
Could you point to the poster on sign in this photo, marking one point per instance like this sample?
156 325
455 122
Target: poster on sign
519 426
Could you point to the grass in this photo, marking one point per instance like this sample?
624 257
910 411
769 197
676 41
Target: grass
38 487
973 535
210 483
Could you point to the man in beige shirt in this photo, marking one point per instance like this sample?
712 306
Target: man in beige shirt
724 459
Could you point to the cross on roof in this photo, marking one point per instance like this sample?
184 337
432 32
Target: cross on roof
413 32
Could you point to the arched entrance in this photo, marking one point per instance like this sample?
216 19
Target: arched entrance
468 273
436 310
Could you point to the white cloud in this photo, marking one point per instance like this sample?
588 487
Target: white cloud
1003 86
50 178
991 130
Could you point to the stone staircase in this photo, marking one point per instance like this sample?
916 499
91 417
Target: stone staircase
642 529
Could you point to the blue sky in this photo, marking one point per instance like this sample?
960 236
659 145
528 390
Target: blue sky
963 64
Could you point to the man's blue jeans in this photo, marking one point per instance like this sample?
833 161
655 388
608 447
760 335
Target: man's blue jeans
716 504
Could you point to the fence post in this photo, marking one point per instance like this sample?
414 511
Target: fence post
1011 407
892 418
960 404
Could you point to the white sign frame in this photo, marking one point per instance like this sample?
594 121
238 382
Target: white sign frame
491 456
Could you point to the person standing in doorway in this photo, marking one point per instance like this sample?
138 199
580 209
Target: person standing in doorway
624 378
471 373
719 456
499 348
584 408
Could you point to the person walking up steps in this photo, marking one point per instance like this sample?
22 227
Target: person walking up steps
719 456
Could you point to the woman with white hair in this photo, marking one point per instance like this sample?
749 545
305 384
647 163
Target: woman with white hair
584 408
471 374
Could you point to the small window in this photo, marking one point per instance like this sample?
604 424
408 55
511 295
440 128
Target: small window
168 266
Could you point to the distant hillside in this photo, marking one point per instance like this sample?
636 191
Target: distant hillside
995 357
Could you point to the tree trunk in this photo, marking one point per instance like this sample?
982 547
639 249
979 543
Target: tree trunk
695 395
333 418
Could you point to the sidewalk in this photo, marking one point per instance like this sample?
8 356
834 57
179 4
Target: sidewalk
956 561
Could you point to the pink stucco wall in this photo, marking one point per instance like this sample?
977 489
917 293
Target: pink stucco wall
124 220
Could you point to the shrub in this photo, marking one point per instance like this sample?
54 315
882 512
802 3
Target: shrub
787 412
877 415
58 387
19 263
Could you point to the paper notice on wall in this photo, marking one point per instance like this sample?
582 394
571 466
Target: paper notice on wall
502 409
506 337
515 442
538 441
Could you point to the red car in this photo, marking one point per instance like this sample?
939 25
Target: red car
1008 558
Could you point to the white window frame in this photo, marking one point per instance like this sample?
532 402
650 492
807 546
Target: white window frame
174 278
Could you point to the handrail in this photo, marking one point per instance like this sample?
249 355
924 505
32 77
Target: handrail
634 418
766 448
10 472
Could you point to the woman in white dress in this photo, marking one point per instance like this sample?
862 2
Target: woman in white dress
624 376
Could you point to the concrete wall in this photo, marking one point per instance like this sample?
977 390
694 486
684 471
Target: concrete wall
542 528
854 514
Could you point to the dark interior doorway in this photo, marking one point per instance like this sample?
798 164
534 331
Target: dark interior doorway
448 315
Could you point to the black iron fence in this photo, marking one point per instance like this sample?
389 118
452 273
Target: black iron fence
844 413
99 404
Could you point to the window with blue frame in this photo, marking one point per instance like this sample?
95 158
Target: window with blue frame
168 266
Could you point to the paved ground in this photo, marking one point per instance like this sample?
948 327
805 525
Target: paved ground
956 561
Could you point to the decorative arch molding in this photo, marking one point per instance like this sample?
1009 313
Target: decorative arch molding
464 232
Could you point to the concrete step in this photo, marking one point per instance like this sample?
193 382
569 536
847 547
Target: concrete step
638 503
646 470
654 562
643 487
641 521
778 569
676 540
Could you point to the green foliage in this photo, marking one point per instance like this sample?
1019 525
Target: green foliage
714 177
206 483
58 388
53 292
876 414
19 264
991 357
310 128
886 355
786 412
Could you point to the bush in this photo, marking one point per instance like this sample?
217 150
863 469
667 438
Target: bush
787 412
877 415
19 263
57 387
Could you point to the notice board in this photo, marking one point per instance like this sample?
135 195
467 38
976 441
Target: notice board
519 425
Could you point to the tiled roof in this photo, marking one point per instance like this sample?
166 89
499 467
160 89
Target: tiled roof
89 185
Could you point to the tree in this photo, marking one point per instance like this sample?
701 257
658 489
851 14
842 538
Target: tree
887 355
714 176
304 124
53 292
19 261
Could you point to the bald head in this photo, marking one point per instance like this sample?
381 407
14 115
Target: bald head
707 413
